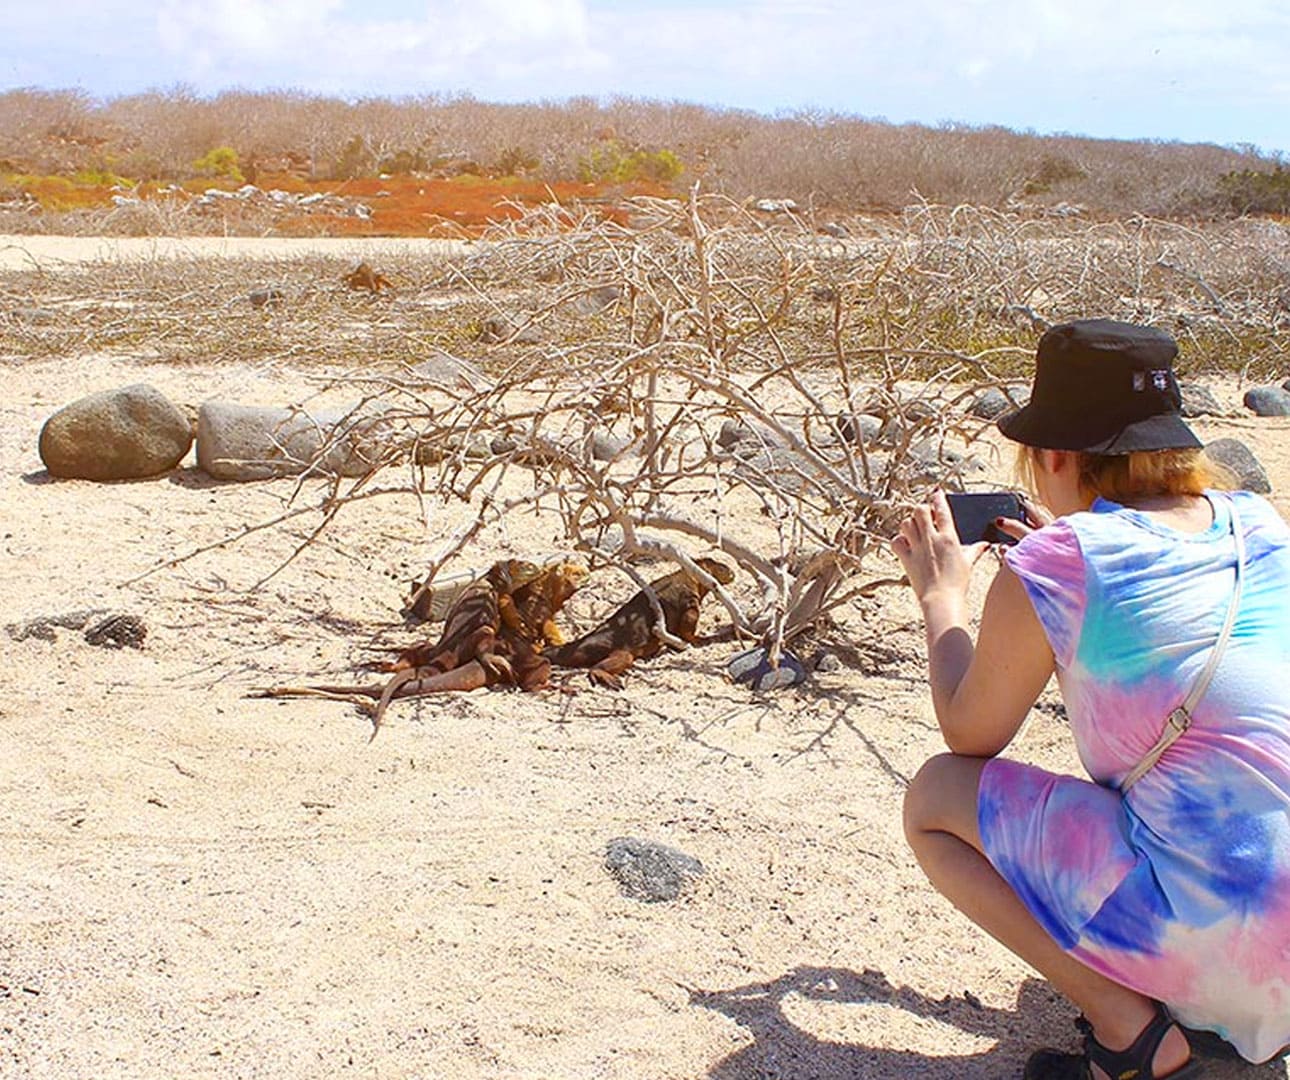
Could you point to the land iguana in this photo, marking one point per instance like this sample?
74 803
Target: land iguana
629 634
491 635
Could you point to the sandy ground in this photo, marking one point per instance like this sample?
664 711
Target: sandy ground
196 884
23 252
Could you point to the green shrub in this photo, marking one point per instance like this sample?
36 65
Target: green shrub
100 178
1248 191
611 162
220 164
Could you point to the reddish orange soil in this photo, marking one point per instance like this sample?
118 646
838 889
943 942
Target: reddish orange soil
400 205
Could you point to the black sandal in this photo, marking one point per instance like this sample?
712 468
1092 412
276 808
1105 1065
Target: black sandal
1135 1062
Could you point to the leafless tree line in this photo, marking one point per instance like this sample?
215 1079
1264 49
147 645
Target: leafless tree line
835 159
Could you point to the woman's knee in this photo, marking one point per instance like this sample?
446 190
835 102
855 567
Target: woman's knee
942 797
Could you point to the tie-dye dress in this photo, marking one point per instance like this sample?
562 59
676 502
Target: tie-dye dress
1180 888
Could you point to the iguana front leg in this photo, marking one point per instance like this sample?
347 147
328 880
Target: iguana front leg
608 671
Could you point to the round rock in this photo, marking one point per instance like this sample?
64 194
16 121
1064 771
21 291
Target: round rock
1268 401
1240 461
991 404
648 871
122 434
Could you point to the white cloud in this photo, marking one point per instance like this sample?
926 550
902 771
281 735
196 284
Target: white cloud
1172 68
331 44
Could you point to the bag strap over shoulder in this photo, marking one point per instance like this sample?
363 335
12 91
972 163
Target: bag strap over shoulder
1180 719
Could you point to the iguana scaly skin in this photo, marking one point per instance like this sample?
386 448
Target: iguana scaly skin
629 633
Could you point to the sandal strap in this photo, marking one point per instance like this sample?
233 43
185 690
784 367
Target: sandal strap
1136 1060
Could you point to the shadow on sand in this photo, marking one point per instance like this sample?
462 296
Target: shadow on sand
781 1048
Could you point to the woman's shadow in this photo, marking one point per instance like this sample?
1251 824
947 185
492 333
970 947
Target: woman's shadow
781 1047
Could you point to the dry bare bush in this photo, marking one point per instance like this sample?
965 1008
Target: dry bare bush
720 354
834 159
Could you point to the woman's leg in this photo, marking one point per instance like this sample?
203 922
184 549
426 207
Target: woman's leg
941 824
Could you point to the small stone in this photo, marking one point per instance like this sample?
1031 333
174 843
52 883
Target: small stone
1268 401
595 301
737 431
506 330
753 668
606 446
117 631
827 662
824 294
122 434
1240 461
1199 400
993 403
264 297
1286 386
649 871
835 229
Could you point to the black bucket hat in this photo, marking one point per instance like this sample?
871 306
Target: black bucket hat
1103 387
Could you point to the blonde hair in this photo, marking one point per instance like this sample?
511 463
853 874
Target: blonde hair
1123 478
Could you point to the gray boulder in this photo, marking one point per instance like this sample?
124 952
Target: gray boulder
252 442
122 434
857 427
1198 400
1268 401
649 871
1240 461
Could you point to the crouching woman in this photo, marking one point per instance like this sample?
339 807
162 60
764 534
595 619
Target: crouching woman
1157 893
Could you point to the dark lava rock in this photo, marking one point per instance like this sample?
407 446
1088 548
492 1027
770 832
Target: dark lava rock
993 403
648 871
1268 401
1239 459
122 434
117 631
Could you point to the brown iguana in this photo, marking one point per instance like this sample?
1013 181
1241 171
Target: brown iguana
629 633
491 635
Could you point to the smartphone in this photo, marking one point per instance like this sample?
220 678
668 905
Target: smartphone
974 514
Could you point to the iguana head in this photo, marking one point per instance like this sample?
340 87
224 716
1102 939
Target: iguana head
563 580
507 575
718 570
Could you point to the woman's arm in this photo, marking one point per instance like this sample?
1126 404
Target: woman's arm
981 691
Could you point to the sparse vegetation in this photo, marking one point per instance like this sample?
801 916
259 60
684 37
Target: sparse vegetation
822 159
221 164
1250 191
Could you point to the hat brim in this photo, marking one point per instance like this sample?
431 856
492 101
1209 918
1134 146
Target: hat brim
1165 431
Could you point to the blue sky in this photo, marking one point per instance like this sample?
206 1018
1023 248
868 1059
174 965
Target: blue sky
1196 70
